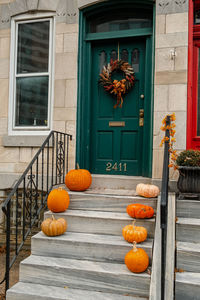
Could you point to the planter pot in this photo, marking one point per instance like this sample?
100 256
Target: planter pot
189 180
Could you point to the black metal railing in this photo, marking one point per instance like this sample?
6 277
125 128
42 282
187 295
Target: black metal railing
164 206
24 204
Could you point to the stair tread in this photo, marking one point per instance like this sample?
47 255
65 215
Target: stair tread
188 221
98 215
92 238
185 246
97 193
188 278
60 293
81 265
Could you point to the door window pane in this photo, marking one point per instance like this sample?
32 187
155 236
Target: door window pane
33 47
103 61
121 20
32 101
113 55
135 60
124 55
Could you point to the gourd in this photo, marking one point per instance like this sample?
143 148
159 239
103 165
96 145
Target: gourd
147 190
132 233
140 211
78 179
58 200
53 227
137 260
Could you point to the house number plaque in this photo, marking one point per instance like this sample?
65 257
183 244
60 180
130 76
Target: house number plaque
116 167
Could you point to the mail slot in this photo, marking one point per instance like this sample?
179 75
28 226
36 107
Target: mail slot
116 124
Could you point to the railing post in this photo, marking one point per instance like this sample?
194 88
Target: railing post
164 207
7 246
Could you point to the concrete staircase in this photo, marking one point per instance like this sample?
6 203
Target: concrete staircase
187 284
87 262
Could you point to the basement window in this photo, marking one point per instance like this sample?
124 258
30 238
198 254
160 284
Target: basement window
31 82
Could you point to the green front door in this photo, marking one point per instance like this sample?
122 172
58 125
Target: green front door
116 134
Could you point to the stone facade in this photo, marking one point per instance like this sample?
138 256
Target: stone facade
170 83
170 91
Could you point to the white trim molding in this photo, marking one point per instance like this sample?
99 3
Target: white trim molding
26 18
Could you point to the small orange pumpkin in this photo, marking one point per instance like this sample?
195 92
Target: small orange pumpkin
53 227
137 260
147 190
78 179
132 233
140 211
58 200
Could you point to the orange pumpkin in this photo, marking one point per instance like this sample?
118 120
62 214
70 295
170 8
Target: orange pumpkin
58 200
147 190
140 211
132 233
53 227
78 179
136 260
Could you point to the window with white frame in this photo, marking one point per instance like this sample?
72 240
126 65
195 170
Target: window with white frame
31 82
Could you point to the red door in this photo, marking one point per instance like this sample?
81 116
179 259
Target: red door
193 110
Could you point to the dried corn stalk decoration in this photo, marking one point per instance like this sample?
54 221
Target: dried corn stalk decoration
117 87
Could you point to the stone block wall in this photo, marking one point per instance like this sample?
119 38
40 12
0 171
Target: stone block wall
170 82
170 90
17 152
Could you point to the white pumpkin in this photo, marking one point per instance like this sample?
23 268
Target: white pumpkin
147 190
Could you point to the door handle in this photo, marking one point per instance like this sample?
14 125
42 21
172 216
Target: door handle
141 117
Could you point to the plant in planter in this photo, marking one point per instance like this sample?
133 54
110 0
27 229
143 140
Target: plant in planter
188 164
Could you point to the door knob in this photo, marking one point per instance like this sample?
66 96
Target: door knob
142 96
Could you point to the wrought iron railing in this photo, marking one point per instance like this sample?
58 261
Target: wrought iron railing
164 207
28 197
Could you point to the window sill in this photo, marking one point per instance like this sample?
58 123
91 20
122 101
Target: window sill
23 141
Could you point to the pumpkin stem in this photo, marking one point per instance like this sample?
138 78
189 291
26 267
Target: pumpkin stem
133 224
53 218
77 166
60 188
134 246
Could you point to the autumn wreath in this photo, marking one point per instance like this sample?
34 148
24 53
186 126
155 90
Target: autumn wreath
117 87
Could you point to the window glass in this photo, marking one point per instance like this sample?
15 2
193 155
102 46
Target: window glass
32 101
113 55
198 96
103 61
135 60
197 12
33 47
121 20
124 55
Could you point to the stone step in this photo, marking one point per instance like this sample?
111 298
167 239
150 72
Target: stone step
103 202
30 291
187 286
188 208
101 222
117 181
188 256
83 274
188 230
85 246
